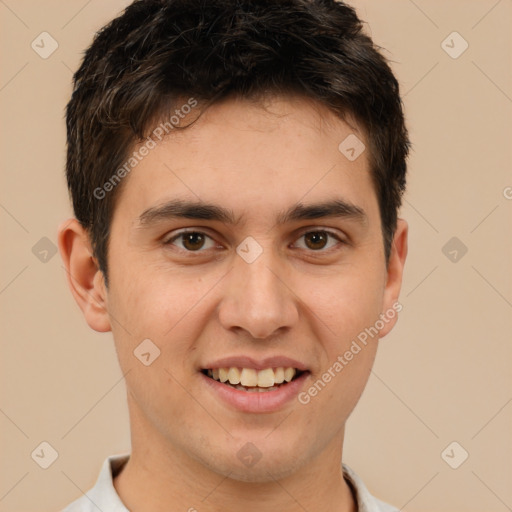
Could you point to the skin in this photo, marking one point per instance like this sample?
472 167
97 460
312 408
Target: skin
293 300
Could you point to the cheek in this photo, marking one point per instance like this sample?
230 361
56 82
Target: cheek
344 311
345 303
156 303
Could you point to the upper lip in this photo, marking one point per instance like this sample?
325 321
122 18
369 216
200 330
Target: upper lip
256 364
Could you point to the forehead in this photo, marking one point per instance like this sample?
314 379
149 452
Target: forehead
254 157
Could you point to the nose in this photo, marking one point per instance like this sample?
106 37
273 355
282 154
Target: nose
258 298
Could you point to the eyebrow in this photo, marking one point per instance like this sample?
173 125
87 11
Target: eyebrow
175 209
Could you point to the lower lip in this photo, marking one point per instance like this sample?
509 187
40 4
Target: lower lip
256 402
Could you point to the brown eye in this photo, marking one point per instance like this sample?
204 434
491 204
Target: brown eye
316 239
191 241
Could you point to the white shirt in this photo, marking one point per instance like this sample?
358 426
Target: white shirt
104 498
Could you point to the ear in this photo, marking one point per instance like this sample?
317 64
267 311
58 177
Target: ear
84 277
395 269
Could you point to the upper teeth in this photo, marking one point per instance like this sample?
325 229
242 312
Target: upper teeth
250 377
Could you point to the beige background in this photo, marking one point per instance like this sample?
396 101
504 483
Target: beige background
444 373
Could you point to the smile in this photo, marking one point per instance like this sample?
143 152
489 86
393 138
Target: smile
254 385
251 380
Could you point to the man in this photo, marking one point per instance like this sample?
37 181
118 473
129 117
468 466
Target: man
236 169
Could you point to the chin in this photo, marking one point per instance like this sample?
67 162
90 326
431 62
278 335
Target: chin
253 466
263 472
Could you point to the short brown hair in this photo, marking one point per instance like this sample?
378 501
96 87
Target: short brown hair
157 52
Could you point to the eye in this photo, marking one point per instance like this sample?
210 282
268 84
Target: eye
318 240
192 241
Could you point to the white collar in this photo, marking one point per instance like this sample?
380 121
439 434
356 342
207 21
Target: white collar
104 498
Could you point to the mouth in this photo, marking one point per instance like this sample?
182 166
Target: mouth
254 381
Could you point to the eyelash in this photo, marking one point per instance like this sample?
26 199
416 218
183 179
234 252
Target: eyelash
324 231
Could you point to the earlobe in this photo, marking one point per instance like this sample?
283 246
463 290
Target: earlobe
395 270
85 279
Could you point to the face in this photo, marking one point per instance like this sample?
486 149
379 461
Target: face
283 268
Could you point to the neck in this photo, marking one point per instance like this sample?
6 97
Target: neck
162 478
